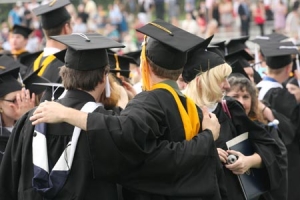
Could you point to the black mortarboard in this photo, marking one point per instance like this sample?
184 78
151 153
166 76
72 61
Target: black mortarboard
120 64
8 65
278 55
34 78
168 45
53 91
221 45
199 61
61 55
217 50
237 68
9 71
273 37
243 57
53 14
86 51
28 59
136 55
22 30
236 44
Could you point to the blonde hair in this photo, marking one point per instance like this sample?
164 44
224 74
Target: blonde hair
205 89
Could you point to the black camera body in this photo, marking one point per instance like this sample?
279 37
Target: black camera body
232 159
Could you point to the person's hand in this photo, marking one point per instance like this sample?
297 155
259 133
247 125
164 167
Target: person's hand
129 89
24 102
49 112
222 155
210 121
241 166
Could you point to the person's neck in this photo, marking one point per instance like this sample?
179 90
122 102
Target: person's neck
155 79
54 44
96 93
280 78
7 122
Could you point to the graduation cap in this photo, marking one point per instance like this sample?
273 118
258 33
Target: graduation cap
120 64
86 51
28 59
53 14
217 50
9 71
61 55
168 45
237 68
221 45
22 30
34 78
53 91
199 61
136 55
236 44
278 55
273 37
243 57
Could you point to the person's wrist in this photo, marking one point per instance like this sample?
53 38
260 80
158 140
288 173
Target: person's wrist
263 110
210 131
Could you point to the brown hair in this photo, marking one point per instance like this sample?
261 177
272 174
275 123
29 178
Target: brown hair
112 101
242 83
164 73
55 31
85 80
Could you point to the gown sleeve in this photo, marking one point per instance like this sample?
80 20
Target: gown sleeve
10 169
261 140
138 160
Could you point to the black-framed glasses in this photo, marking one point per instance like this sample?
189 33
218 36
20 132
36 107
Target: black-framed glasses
8 100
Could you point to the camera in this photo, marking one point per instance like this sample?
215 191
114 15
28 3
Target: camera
232 159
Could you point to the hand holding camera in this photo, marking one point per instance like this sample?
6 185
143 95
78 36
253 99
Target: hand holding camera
232 159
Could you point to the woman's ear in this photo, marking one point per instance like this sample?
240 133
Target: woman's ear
198 81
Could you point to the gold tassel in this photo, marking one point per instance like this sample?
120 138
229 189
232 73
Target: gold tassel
145 67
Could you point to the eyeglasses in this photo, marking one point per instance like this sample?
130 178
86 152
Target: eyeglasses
11 101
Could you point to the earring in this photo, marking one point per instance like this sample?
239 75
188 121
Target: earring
1 111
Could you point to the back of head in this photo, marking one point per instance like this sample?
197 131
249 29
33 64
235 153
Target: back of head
165 50
86 60
54 16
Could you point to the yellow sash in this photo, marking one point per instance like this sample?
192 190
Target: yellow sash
190 119
44 65
16 53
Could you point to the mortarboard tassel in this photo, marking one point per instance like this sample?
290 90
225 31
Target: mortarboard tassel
117 65
107 88
145 67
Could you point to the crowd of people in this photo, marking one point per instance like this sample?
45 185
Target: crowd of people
102 103
119 19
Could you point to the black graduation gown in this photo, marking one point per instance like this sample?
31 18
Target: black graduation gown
149 166
281 193
4 136
51 72
17 170
285 103
262 142
24 68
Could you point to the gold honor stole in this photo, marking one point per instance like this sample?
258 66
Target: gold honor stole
44 65
190 118
16 53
